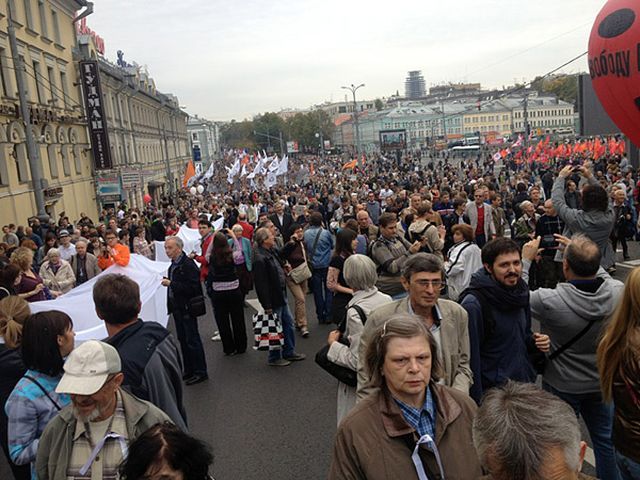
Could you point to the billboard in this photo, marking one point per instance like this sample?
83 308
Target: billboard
393 139
292 147
96 119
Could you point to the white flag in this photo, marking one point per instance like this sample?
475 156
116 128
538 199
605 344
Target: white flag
243 173
271 179
283 168
273 166
209 173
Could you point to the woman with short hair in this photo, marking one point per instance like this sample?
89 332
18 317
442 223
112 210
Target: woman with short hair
410 412
31 286
47 338
360 274
463 260
57 274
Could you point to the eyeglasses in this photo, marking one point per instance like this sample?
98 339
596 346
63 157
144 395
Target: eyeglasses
433 283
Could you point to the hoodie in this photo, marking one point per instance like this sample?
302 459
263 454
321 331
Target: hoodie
500 334
563 312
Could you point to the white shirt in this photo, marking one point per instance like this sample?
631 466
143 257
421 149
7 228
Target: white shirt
68 252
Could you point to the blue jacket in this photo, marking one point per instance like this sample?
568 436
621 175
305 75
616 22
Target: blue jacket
247 251
324 249
29 411
500 346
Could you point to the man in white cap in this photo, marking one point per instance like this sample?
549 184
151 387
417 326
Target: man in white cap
89 438
66 248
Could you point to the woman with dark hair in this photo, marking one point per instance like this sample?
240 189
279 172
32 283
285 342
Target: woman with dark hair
223 287
166 452
463 260
140 244
294 252
10 278
346 242
14 311
50 241
47 338
409 412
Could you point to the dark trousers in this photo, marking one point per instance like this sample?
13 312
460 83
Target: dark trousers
322 296
481 240
614 243
190 343
229 313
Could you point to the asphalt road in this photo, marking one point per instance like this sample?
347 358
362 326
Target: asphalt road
273 422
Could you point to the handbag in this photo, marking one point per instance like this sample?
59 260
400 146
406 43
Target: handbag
196 306
267 332
302 271
344 374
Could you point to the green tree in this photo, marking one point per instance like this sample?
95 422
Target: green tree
565 87
303 128
237 134
379 104
269 124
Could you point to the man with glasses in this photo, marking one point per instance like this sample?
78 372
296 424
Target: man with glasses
89 438
113 253
423 279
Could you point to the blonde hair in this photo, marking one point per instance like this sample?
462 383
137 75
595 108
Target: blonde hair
14 311
23 257
619 350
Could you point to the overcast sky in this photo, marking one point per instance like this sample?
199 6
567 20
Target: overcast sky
234 59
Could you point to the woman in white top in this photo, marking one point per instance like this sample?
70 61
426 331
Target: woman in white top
464 259
360 274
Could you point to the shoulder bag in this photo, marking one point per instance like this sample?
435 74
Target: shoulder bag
344 374
302 272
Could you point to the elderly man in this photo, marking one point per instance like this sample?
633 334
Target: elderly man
272 295
67 249
83 263
523 432
574 314
481 218
282 220
423 278
183 282
366 227
89 438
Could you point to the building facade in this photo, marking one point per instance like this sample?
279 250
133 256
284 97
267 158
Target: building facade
147 133
545 114
46 38
204 138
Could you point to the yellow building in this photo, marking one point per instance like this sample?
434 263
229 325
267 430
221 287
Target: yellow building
46 38
493 117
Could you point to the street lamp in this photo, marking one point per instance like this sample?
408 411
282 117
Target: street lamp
353 89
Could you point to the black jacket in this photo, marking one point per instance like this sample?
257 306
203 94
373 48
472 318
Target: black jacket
158 232
267 271
152 367
185 284
285 226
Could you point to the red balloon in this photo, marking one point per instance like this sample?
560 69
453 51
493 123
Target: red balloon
147 198
614 63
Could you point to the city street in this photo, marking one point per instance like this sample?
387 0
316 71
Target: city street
270 422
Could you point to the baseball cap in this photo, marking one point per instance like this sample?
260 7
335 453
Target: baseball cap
63 233
88 367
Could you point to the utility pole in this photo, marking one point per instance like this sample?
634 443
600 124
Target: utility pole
353 90
281 146
321 134
37 178
444 122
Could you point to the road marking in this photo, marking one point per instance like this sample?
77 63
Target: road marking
255 304
629 264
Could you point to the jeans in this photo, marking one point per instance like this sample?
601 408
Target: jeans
629 469
322 296
190 343
284 315
599 420
481 240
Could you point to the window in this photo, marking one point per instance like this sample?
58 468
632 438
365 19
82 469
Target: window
53 94
28 15
3 74
65 90
56 27
42 10
37 77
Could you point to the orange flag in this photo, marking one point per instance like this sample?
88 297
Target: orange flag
350 165
189 173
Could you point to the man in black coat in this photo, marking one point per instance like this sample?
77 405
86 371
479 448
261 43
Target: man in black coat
183 284
158 231
270 285
282 220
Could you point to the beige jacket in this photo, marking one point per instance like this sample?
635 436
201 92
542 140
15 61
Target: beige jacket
454 337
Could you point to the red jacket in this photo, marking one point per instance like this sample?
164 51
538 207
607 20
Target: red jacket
247 230
202 258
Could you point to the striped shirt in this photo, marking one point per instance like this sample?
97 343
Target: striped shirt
422 420
105 465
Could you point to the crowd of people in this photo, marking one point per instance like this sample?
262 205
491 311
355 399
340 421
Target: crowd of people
436 272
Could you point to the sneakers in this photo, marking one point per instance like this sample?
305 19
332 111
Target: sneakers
216 337
304 331
296 357
281 362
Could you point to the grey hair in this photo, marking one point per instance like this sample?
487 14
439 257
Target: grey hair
360 272
178 241
422 262
261 235
82 240
517 424
525 203
52 252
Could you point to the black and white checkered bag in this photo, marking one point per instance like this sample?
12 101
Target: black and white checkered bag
267 331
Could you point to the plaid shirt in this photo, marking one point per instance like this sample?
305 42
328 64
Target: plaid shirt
105 465
422 420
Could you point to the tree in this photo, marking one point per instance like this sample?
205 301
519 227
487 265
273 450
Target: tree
237 134
269 124
565 87
303 127
379 104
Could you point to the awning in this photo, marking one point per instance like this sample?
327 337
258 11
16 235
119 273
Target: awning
155 183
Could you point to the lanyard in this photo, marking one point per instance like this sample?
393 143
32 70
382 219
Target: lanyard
100 445
431 445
